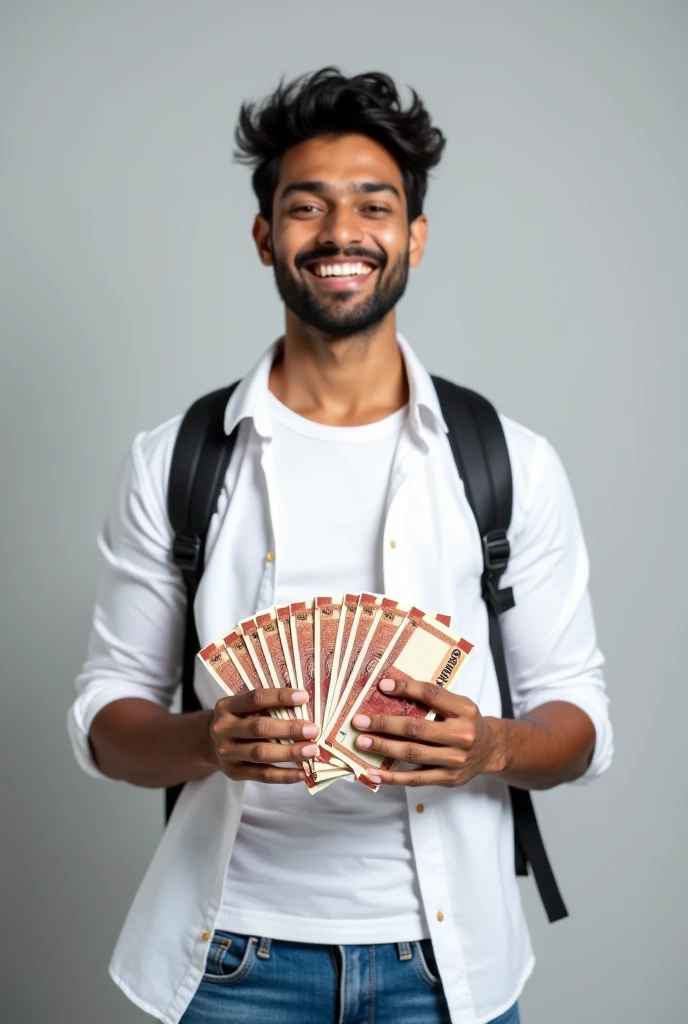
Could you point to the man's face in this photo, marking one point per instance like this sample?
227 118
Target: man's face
340 242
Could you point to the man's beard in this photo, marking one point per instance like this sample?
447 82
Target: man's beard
333 315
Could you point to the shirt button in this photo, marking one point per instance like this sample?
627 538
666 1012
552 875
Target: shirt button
440 915
420 808
270 557
205 935
392 543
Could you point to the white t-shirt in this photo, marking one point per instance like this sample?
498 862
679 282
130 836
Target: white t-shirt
336 867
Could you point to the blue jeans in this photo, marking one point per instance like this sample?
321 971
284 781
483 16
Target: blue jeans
250 980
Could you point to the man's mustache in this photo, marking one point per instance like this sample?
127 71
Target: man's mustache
351 251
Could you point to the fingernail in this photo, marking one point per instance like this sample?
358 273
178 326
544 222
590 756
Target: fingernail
299 696
361 721
375 779
387 685
310 750
309 732
364 741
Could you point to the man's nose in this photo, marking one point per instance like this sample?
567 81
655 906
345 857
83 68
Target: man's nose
341 227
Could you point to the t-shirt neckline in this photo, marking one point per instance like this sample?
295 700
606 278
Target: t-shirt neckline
327 432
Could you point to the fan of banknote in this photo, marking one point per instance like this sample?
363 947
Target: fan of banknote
337 649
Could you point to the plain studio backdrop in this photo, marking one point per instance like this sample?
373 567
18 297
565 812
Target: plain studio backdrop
554 282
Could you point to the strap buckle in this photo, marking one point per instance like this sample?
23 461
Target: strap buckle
496 551
186 550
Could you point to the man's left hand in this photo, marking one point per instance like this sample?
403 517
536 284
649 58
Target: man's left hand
452 751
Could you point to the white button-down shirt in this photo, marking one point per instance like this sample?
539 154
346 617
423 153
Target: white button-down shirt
462 838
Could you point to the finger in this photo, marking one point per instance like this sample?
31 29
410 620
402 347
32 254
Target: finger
265 727
414 728
413 753
270 773
427 777
251 701
449 705
264 752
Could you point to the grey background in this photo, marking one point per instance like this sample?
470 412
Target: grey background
554 281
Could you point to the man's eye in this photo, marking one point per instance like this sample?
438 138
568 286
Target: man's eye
374 208
305 208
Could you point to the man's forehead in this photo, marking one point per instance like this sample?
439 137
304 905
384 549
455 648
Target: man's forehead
340 163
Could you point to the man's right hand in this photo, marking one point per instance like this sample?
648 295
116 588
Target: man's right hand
245 739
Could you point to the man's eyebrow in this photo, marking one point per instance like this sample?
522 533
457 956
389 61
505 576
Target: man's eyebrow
358 188
375 186
303 186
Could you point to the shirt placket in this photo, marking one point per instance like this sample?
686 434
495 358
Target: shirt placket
268 584
410 450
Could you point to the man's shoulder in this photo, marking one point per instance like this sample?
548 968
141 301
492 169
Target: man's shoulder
529 456
523 442
152 453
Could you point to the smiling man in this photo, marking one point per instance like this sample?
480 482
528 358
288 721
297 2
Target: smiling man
263 903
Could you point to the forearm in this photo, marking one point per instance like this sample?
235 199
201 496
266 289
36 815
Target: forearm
551 745
139 742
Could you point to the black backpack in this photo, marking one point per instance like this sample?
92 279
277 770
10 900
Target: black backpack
199 463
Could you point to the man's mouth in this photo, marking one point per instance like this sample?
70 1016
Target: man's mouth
337 268
341 274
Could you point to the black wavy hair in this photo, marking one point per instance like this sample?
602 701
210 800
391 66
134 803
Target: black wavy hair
325 102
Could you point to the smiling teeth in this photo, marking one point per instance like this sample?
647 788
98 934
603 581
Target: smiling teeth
341 269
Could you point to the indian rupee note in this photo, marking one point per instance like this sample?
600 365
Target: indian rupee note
346 620
326 629
301 626
422 649
249 631
224 670
284 631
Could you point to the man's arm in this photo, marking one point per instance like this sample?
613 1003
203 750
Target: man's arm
549 637
139 742
554 743
133 662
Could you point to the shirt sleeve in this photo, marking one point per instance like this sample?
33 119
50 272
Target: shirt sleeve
550 640
135 647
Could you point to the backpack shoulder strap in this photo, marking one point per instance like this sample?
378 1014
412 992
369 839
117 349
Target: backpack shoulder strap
199 463
482 458
480 451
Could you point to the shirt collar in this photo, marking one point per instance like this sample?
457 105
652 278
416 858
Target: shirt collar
249 399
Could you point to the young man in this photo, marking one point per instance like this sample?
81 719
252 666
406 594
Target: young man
264 903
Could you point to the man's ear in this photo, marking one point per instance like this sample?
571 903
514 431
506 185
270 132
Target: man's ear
261 236
418 236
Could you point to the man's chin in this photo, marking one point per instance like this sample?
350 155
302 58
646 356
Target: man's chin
340 327
339 315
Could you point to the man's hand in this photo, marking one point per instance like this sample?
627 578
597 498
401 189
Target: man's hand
453 751
245 741
551 745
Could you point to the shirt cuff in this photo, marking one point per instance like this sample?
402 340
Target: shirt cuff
85 708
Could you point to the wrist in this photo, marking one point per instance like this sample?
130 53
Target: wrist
205 750
498 745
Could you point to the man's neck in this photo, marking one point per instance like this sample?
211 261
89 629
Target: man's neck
345 382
